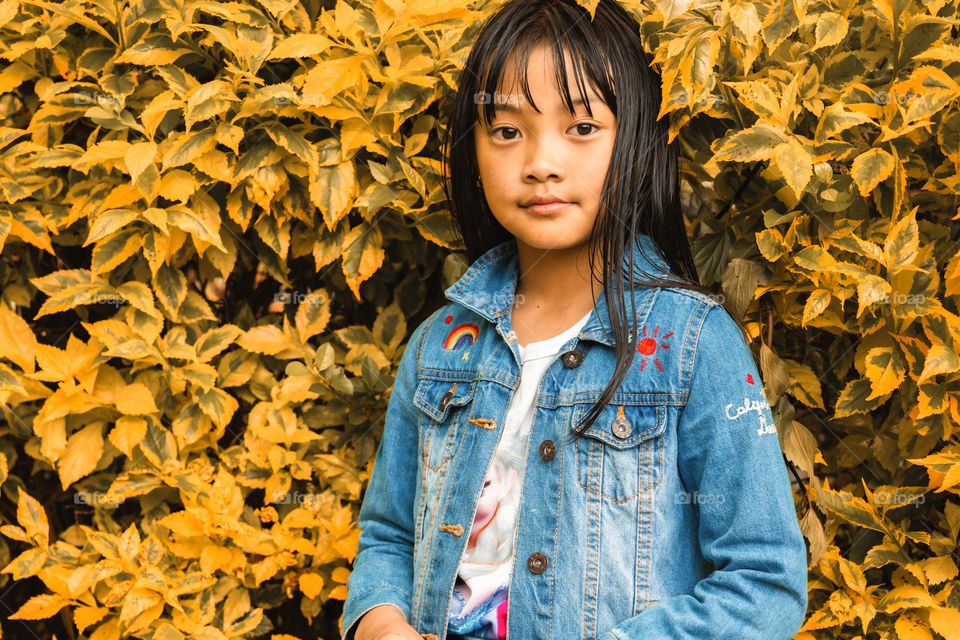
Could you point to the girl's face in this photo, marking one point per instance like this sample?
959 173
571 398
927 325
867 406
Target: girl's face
524 154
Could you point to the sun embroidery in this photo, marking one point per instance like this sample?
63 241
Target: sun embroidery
648 346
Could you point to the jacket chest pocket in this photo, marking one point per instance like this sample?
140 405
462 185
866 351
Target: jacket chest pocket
621 454
442 403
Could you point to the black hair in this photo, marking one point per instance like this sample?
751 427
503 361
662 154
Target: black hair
641 192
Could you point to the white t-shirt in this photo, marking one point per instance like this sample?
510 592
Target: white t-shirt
478 605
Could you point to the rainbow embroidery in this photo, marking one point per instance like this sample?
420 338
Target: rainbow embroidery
461 335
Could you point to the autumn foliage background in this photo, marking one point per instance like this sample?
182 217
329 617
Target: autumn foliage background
220 220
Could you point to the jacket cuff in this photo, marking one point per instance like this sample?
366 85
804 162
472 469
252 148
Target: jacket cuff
361 604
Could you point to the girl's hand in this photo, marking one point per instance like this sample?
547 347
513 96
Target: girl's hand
385 622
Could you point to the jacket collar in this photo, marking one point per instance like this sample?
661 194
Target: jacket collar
488 285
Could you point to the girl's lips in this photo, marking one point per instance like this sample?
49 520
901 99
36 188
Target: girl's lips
546 209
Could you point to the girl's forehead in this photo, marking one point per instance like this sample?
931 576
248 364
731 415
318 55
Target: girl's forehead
539 76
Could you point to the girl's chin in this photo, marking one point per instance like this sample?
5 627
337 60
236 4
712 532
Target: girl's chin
546 240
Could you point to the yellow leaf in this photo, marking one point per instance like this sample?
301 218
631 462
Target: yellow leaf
939 569
86 616
156 50
940 360
758 97
362 255
902 243
113 251
82 454
750 145
74 296
140 297
945 621
109 222
313 314
831 29
952 276
14 75
329 79
128 433
872 290
185 524
266 339
136 399
885 371
334 190
907 596
105 152
140 607
17 342
804 384
138 157
218 405
177 185
835 119
33 519
40 607
795 163
217 558
870 168
188 147
27 563
910 626
816 303
198 222
311 584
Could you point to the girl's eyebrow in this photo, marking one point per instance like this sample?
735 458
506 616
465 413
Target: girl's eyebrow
509 107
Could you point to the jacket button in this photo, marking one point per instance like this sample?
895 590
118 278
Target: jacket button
445 399
620 426
547 450
572 358
537 562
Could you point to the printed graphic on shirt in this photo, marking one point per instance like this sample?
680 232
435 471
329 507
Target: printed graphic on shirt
478 605
758 406
648 346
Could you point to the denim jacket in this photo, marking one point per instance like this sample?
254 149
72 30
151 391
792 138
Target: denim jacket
673 519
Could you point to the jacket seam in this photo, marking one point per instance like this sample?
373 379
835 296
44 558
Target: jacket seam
698 320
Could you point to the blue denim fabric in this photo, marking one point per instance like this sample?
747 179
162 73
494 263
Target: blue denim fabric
673 519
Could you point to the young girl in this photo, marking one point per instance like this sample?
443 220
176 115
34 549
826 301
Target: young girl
551 466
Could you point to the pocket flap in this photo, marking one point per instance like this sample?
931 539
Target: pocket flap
624 425
436 397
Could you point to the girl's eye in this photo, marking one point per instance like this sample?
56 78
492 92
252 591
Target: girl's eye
585 124
576 126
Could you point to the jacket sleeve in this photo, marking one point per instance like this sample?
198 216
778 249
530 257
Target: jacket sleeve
730 463
383 567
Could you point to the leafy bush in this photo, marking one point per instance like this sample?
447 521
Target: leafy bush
220 221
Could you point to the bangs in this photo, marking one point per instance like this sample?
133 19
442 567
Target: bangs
568 32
